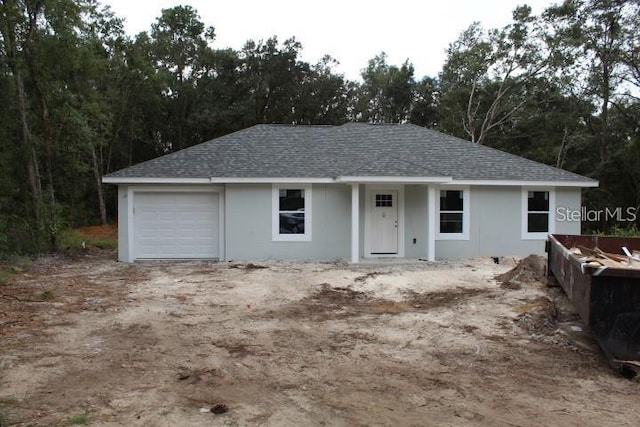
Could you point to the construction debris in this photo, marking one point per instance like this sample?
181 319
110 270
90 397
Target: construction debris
598 257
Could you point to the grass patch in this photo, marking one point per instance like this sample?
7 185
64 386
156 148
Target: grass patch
4 420
12 266
79 420
75 239
5 277
47 295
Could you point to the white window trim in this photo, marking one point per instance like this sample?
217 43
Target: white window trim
525 213
466 203
275 213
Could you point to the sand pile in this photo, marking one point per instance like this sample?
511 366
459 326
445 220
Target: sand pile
531 269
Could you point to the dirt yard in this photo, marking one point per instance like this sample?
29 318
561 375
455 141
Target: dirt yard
93 341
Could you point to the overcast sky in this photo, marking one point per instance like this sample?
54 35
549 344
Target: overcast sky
351 31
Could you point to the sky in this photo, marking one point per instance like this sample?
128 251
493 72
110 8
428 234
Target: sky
351 31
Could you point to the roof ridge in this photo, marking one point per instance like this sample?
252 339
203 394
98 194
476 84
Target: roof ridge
381 124
292 125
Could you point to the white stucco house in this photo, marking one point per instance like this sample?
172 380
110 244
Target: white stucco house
340 192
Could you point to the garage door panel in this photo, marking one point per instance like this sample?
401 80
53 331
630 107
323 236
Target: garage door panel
176 225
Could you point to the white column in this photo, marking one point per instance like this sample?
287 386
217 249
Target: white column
431 224
355 223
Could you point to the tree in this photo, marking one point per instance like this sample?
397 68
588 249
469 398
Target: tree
588 36
271 76
424 109
38 39
322 95
15 30
386 93
181 54
485 75
595 40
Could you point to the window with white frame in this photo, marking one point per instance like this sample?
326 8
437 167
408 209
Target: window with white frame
538 208
453 214
292 212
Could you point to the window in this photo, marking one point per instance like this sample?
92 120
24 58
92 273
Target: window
291 213
538 206
453 214
384 200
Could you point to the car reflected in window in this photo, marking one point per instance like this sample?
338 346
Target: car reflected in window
292 223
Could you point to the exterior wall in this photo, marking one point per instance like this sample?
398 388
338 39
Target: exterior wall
496 224
248 214
567 198
416 227
123 223
495 219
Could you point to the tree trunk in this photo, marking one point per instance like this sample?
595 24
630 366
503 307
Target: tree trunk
33 172
52 207
29 152
98 177
562 152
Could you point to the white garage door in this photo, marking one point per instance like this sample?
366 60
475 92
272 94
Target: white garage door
174 225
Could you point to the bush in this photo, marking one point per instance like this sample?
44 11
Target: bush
618 231
19 237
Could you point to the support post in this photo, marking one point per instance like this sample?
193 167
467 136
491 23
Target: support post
431 223
355 223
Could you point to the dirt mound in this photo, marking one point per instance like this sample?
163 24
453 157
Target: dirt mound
529 270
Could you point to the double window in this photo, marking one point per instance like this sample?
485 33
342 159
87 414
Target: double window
292 212
538 208
453 214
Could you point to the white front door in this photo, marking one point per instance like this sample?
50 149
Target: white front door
384 222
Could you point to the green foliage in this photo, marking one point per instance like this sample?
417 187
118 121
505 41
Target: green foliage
619 231
387 92
79 420
21 236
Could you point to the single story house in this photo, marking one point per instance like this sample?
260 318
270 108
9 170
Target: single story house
341 192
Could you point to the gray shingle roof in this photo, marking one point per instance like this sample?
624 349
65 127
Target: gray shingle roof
354 149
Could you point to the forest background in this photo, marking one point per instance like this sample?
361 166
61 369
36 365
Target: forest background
80 98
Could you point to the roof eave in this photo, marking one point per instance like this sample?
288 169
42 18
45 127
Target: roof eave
524 183
350 179
269 180
347 179
152 180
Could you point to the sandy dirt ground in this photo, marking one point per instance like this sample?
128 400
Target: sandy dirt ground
298 344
